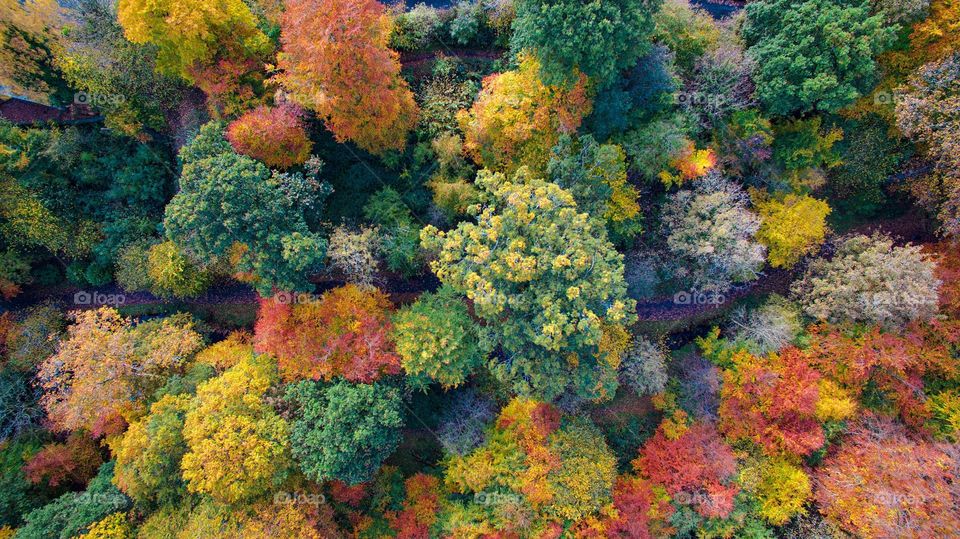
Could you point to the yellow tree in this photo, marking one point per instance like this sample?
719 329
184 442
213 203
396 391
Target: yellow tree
30 41
192 33
335 61
237 444
517 119
791 227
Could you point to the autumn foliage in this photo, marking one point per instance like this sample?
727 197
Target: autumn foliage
517 119
696 468
273 135
335 61
344 333
772 401
881 483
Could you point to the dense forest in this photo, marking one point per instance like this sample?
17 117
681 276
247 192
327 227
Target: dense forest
499 269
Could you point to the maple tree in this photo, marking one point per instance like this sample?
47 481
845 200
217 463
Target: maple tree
73 462
517 119
335 61
346 332
772 401
273 135
108 366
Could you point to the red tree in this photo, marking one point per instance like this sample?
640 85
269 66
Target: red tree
74 462
419 509
772 402
695 468
882 484
641 513
335 61
273 135
344 333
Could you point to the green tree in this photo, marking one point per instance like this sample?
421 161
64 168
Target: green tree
344 431
231 206
437 339
598 37
813 54
148 455
546 279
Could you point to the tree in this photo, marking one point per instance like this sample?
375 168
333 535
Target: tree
74 513
927 112
272 135
687 31
555 473
772 401
335 61
108 367
437 339
148 455
30 41
237 444
114 526
345 333
870 280
545 278
344 431
644 367
355 253
172 274
791 227
517 119
881 483
781 488
232 207
72 463
815 55
192 34
711 232
597 38
120 75
642 512
695 468
596 176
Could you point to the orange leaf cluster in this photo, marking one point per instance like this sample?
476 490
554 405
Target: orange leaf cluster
344 333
